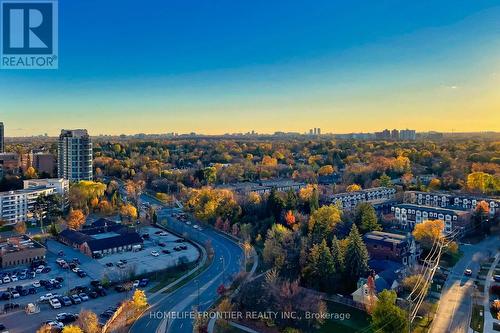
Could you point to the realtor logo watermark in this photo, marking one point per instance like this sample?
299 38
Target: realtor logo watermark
28 34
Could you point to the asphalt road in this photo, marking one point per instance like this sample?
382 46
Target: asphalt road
201 291
455 306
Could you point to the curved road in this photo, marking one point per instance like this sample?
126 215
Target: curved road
201 290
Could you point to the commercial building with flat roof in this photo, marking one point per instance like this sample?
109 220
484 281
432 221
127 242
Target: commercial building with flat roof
20 250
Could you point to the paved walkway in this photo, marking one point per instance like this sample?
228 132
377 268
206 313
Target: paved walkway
488 318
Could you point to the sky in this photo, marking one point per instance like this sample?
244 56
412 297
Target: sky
228 66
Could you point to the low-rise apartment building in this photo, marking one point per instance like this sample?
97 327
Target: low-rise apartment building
281 185
408 215
451 200
349 200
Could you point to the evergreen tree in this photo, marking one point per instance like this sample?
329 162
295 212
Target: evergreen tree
366 218
337 255
319 267
291 200
275 204
385 180
356 256
314 201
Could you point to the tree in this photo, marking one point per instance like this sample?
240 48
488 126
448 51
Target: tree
322 223
411 281
290 218
366 217
356 256
275 204
20 228
434 184
387 317
209 175
30 173
319 267
76 219
88 322
337 255
428 232
44 329
72 329
483 182
128 211
326 170
139 299
282 249
385 180
480 215
353 188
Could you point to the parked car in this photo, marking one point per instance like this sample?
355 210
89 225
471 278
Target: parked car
136 283
75 299
468 272
54 303
162 244
59 279
165 251
46 297
6 279
24 292
76 261
6 296
84 297
81 274
36 284
15 294
93 294
144 282
95 283
54 324
496 277
155 253
31 290
109 264
67 318
120 288
39 269
46 270
66 301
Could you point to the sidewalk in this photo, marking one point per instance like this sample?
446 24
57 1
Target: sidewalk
488 318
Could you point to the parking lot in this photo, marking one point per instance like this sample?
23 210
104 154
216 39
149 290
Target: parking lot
115 266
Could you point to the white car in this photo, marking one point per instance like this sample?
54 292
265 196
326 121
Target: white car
163 233
46 297
55 324
155 253
136 284
54 302
15 294
76 269
6 279
14 278
468 272
60 261
36 284
188 223
196 226
39 269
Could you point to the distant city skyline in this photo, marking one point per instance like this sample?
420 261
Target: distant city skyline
227 67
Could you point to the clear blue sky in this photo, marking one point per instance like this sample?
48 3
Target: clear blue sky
228 66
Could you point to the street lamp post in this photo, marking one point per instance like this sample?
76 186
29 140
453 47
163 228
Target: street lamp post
223 270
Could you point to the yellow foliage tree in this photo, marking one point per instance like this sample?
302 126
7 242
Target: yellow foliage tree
76 219
353 188
30 173
72 329
483 182
326 170
128 211
44 329
139 299
428 231
269 161
88 322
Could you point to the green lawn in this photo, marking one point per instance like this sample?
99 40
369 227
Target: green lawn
358 320
477 321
